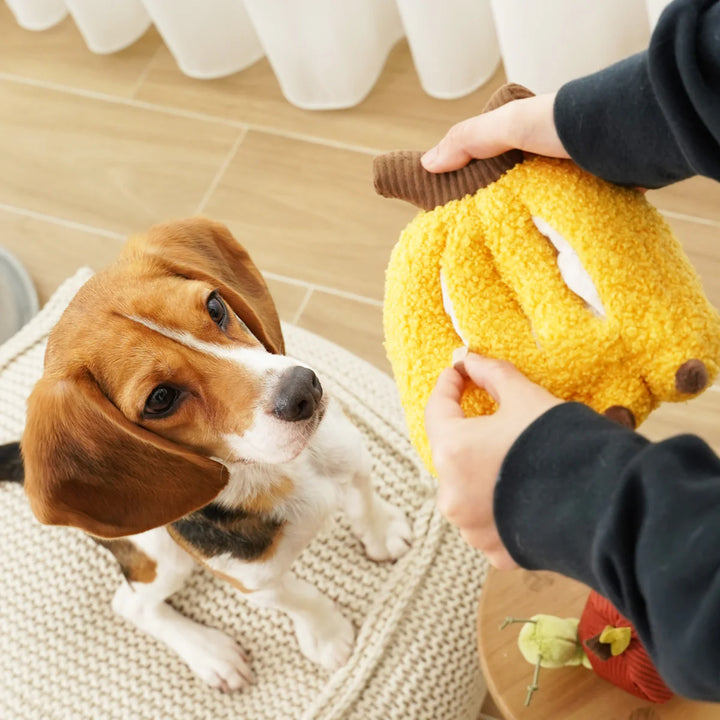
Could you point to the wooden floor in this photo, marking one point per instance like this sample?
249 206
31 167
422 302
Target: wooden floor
93 148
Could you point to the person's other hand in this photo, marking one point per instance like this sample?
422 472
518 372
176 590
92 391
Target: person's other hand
468 452
526 124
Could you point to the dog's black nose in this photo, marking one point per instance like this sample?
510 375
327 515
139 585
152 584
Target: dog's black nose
298 394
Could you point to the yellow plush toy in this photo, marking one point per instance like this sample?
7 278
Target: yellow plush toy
578 282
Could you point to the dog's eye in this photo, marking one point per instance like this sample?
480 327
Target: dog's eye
161 401
217 310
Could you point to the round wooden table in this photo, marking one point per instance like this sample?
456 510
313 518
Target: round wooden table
566 693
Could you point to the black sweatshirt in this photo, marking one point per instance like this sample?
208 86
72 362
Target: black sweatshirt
580 495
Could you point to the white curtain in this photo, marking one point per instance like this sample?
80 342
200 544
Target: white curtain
328 54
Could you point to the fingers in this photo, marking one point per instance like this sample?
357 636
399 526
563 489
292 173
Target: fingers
491 546
468 452
526 124
476 137
506 384
498 377
444 402
501 559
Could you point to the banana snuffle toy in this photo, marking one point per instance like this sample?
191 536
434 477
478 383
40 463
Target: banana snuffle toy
580 283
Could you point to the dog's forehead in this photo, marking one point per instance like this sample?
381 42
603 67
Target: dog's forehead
99 329
127 360
102 303
167 300
107 343
131 332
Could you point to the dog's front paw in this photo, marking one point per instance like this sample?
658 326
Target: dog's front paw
219 661
389 535
328 641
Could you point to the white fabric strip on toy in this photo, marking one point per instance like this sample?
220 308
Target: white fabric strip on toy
450 310
576 277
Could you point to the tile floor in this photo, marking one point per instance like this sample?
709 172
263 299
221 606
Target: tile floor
93 148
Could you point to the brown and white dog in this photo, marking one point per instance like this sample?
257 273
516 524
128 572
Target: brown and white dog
170 425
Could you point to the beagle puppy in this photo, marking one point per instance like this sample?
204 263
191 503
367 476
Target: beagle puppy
170 426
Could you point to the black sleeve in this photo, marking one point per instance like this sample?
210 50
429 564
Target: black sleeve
637 521
654 118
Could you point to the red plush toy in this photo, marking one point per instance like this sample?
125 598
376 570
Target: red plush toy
631 669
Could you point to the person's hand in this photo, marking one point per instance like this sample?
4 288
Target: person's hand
526 124
468 452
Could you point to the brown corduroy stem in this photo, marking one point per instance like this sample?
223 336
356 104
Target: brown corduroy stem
400 175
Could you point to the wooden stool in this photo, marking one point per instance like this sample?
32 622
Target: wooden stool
567 693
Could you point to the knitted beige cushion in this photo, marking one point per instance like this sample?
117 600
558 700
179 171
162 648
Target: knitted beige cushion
64 655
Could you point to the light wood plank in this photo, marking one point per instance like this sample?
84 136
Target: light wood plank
397 114
51 252
700 416
104 164
353 325
288 298
60 55
698 197
310 212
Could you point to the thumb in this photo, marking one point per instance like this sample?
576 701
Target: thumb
444 402
507 385
500 378
476 137
445 156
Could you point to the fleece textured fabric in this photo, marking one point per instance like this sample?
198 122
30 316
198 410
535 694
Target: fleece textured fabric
510 301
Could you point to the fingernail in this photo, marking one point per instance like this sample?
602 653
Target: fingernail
458 360
429 159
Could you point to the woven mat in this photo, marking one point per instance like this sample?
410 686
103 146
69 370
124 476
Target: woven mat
64 655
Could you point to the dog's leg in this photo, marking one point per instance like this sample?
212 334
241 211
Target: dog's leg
381 527
324 634
210 653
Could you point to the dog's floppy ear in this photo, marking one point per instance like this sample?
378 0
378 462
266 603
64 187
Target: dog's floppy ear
87 466
205 250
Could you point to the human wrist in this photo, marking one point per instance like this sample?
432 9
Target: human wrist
557 452
530 126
